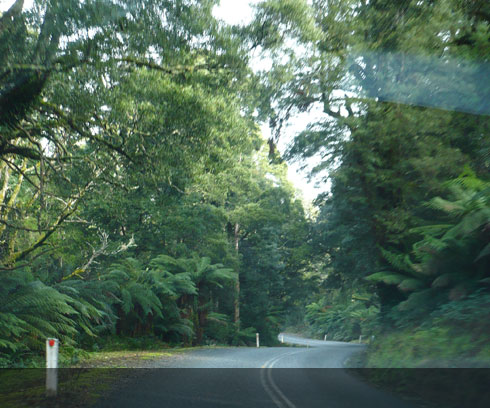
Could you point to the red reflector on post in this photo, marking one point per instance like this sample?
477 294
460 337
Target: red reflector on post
51 342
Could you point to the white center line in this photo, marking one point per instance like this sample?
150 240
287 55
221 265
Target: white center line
270 385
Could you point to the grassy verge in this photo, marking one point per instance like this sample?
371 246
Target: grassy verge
21 388
438 347
426 367
112 352
90 376
132 358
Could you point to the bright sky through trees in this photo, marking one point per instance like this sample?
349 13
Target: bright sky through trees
241 12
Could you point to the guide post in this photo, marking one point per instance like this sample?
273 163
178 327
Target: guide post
52 348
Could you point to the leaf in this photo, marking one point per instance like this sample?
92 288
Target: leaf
469 223
127 301
410 285
399 261
439 203
415 300
218 318
390 278
484 252
442 281
458 292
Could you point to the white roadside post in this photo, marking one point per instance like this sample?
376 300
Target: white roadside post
282 338
257 339
325 338
360 339
52 348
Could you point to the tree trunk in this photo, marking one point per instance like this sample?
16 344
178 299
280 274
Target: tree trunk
237 284
202 316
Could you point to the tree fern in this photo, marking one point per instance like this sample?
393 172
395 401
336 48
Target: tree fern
452 256
390 278
399 260
136 288
93 301
31 311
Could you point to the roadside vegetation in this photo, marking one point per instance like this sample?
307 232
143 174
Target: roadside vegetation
137 196
399 249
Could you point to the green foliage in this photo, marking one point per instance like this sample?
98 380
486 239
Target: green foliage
130 151
137 197
452 335
407 215
95 314
31 311
341 318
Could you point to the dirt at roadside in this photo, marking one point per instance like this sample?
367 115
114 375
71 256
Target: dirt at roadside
128 359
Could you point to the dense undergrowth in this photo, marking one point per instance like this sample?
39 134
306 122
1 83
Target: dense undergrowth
454 335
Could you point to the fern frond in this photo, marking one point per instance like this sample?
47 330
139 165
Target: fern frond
390 278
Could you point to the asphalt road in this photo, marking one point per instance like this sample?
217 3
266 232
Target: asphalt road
275 377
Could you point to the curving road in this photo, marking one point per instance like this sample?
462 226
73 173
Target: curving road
273 377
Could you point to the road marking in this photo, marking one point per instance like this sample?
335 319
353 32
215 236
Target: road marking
270 385
276 388
264 378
